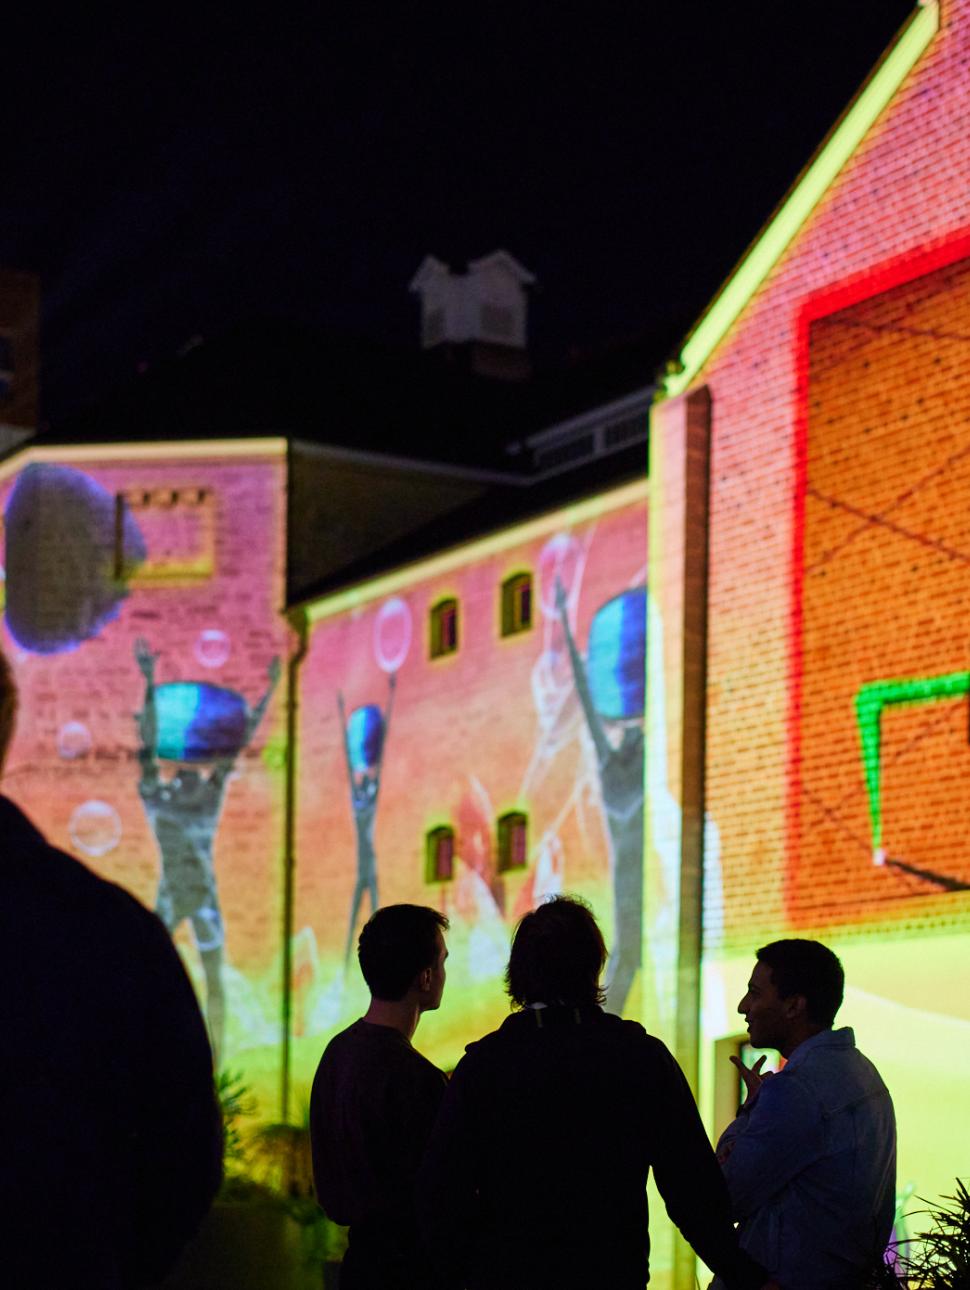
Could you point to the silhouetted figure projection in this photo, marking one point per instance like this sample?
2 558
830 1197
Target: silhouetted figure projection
112 1139
617 735
536 1173
365 738
190 722
374 1100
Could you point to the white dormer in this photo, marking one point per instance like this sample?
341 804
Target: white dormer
486 304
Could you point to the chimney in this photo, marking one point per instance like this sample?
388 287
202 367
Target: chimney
478 316
19 313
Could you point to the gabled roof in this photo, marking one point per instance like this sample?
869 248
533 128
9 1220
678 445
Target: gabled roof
502 260
805 194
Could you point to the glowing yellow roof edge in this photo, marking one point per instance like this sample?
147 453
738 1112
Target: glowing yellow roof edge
190 450
768 249
478 548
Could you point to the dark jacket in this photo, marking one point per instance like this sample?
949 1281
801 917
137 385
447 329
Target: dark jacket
111 1133
537 1169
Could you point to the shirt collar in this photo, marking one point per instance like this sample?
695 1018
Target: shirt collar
844 1037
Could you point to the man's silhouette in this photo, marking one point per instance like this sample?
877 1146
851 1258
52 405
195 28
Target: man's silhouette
810 1161
374 1101
111 1136
536 1172
184 812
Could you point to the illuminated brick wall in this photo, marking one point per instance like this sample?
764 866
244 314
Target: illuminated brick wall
837 717
884 736
493 729
904 191
182 547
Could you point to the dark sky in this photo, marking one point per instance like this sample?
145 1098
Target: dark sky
174 177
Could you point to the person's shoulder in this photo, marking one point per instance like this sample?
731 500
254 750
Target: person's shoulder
522 1026
350 1037
635 1042
60 878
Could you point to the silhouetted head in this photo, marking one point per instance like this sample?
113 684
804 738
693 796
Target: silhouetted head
558 955
8 706
401 948
794 992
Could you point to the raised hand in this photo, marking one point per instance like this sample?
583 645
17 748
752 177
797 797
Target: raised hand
145 658
752 1077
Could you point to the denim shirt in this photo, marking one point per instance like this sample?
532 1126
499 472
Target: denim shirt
812 1166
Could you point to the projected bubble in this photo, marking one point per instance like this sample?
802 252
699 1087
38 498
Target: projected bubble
392 634
73 740
95 828
213 647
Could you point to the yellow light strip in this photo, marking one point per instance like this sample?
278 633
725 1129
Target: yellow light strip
807 193
433 566
97 453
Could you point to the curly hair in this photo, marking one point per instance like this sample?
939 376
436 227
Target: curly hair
558 955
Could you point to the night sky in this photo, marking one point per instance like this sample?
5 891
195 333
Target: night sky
170 180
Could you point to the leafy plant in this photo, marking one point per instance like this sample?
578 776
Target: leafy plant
272 1165
237 1104
941 1257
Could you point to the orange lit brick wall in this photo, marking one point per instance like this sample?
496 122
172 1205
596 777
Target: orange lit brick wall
905 194
885 593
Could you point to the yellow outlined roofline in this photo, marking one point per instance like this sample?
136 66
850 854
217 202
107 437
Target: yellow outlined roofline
807 191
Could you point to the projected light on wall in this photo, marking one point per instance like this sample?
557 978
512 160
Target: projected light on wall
69 556
485 776
166 560
883 731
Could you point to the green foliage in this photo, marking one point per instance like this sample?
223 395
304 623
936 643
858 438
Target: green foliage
272 1165
237 1104
940 1258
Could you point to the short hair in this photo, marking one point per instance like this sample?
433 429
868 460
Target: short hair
558 954
808 968
398 942
8 705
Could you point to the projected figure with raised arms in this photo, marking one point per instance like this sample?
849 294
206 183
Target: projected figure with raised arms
190 724
611 686
365 738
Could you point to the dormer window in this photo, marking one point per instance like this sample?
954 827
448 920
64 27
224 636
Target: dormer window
444 628
516 604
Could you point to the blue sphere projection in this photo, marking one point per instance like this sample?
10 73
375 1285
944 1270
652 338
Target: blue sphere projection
199 722
365 736
616 657
70 551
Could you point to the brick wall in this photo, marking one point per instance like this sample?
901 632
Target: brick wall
207 600
903 195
